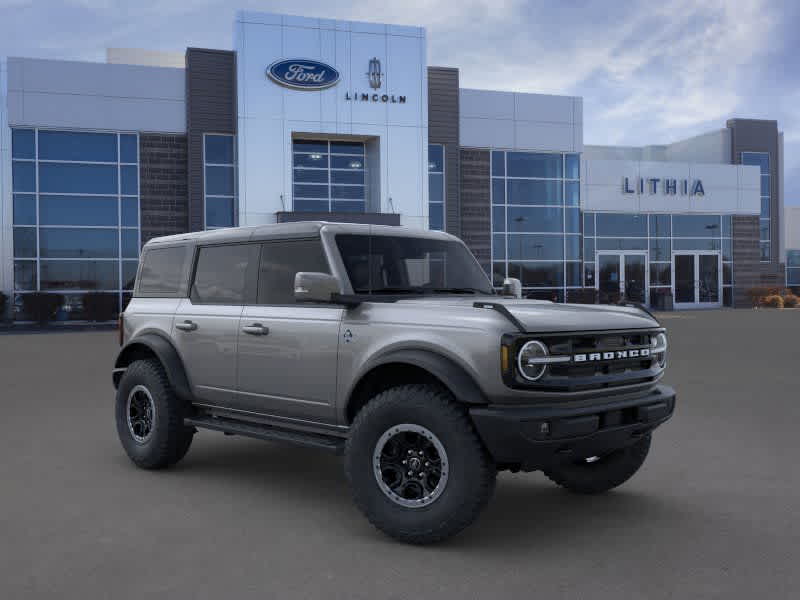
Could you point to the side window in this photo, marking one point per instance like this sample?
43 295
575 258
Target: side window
281 261
163 271
220 274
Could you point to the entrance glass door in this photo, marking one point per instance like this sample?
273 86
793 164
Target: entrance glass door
697 279
622 276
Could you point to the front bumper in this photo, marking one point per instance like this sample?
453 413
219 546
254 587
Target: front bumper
535 437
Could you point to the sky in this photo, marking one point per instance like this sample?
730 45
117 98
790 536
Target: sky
649 72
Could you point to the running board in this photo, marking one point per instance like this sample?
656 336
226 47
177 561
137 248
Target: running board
267 432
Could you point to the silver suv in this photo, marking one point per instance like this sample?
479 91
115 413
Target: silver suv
390 346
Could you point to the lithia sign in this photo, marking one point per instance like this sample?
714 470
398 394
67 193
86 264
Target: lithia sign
306 74
667 186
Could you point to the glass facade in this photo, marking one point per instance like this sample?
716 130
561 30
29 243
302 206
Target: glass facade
328 176
658 235
219 168
536 235
436 186
761 160
75 215
793 268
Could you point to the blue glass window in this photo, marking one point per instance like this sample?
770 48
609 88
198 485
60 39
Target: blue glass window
499 247
530 164
573 166
538 274
79 275
77 178
129 180
498 191
436 187
347 192
130 243
621 244
347 148
311 175
130 212
24 242
498 218
77 210
572 191
355 177
588 249
588 224
23 143
347 206
572 246
660 226
435 158
530 191
346 162
622 225
24 209
219 150
313 161
572 220
23 176
660 249
219 212
695 244
696 225
77 146
535 247
312 205
758 159
78 243
128 149
498 163
727 225
219 181
535 219
25 275
310 146
793 258
129 268
573 274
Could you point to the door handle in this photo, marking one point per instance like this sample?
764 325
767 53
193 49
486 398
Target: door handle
256 329
186 326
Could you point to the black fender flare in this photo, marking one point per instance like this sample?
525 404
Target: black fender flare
165 352
452 375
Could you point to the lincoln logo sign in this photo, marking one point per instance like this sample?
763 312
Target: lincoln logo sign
667 186
302 74
616 355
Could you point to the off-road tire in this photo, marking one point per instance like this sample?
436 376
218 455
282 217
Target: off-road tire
170 438
607 472
471 476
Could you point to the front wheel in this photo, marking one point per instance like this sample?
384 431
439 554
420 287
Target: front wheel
417 469
598 474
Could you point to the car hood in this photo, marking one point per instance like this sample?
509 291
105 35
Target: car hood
544 316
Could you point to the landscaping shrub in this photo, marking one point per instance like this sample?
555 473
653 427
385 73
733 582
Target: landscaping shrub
758 295
41 306
773 301
790 301
99 306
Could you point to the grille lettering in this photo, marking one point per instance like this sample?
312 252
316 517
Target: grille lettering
612 355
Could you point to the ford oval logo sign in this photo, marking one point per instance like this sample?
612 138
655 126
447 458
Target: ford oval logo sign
303 74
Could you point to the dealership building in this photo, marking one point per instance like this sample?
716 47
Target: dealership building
345 121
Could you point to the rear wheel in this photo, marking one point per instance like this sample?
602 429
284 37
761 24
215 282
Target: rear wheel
417 469
150 417
598 474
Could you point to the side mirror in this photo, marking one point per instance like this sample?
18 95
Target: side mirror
512 287
315 287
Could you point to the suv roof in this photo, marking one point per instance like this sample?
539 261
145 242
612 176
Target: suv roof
279 230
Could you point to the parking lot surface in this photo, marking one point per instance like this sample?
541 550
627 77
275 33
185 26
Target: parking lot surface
714 513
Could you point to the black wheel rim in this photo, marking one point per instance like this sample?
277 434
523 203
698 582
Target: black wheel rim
141 414
410 465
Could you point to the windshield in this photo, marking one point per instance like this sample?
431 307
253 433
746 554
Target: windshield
383 264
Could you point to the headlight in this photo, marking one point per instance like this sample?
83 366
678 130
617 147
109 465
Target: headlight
532 360
658 348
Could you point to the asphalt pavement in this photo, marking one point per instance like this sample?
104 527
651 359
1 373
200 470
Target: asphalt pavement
714 513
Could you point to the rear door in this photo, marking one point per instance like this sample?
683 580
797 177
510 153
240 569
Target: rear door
288 351
206 325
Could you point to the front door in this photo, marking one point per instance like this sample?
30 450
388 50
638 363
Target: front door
622 275
697 279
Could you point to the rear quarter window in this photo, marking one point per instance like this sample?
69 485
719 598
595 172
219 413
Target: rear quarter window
163 272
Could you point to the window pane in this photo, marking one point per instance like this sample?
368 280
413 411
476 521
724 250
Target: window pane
498 218
311 205
573 166
793 258
572 245
573 274
763 229
727 249
129 180
74 145
310 191
521 191
24 242
588 274
347 148
765 185
311 175
23 176
436 187
498 191
588 249
765 208
660 226
24 209
346 162
572 189
623 225
498 163
280 262
219 212
529 164
23 144
78 243
219 149
695 244
130 212
793 277
538 274
129 273
348 206
660 249
219 181
435 158
588 224
220 274
696 225
77 210
317 161
727 226
661 274
77 179
347 192
535 247
356 177
572 220
163 270
727 297
499 246
79 275
436 216
130 243
765 251
128 149
759 159
727 273
621 243
310 146
538 220
25 275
